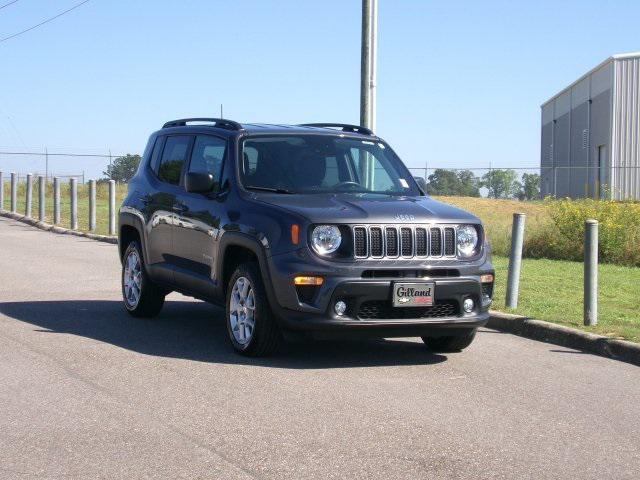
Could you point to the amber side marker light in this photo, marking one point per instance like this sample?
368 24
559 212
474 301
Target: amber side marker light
486 278
295 234
308 281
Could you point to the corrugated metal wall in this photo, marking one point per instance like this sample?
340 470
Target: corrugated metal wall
547 171
599 176
626 129
576 137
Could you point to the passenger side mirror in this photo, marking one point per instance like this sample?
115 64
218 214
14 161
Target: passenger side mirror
199 182
422 183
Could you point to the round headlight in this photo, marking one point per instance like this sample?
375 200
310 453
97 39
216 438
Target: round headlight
467 237
326 239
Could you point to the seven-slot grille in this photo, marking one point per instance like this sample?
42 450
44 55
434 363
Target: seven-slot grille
407 241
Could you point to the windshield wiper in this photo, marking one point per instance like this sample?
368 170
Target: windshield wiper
269 189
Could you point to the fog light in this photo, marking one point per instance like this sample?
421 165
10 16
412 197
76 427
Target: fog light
340 307
468 305
486 278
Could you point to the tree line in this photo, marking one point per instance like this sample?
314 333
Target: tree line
499 183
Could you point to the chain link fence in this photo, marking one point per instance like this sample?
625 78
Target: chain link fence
64 165
521 183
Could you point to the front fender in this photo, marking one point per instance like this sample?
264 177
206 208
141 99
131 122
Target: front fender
258 248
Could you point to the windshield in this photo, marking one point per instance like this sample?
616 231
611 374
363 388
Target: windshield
322 164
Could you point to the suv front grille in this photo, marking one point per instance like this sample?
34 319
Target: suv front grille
360 242
449 241
383 310
409 241
376 249
392 241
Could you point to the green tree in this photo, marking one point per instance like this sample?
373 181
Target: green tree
529 187
469 184
123 168
449 182
501 183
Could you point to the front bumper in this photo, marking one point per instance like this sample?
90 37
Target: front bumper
369 300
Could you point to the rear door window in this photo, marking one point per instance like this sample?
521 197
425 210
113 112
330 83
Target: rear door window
174 155
208 155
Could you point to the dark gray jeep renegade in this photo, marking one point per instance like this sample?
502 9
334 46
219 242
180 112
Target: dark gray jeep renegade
308 230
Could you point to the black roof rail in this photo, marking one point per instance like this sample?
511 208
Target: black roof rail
217 122
344 126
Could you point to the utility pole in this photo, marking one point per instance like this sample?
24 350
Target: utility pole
221 115
368 64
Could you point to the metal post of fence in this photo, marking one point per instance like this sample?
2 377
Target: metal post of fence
92 205
112 207
73 190
56 200
29 200
515 260
14 192
591 272
42 186
1 191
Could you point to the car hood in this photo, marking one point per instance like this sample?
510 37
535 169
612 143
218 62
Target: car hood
367 208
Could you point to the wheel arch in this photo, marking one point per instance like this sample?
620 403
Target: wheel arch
130 228
237 248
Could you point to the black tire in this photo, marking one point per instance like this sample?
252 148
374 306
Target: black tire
451 343
266 337
151 296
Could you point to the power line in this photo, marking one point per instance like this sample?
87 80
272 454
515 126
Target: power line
43 22
7 4
60 154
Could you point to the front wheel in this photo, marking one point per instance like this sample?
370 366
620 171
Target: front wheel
451 343
142 297
250 323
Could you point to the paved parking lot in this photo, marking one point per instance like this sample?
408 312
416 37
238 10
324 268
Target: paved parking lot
88 392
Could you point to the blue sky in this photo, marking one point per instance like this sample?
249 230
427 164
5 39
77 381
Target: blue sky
459 83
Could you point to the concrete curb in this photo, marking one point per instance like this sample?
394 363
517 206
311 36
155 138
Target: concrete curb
567 337
55 229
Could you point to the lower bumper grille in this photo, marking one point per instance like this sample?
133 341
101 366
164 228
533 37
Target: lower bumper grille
383 310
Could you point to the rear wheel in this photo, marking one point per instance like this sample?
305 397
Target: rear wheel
250 323
142 297
451 343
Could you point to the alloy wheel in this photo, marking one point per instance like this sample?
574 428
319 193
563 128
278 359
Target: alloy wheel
242 310
132 279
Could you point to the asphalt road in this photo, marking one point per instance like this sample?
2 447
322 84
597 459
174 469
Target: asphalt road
88 392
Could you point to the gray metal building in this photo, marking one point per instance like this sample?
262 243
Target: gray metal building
591 134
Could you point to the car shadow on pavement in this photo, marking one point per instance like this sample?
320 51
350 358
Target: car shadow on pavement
196 331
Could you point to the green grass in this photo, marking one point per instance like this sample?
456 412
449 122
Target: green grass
552 290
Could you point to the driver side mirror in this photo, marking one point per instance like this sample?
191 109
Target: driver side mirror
199 182
422 184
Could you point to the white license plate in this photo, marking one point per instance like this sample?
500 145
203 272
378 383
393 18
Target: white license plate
413 294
